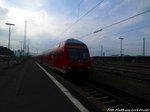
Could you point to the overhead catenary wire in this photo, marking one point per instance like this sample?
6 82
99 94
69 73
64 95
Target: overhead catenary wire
121 33
126 19
131 30
108 26
79 7
82 16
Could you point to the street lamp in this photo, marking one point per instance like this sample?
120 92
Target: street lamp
25 38
143 46
21 48
121 54
10 24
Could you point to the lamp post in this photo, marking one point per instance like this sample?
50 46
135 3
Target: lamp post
21 48
101 50
10 24
143 46
25 38
121 54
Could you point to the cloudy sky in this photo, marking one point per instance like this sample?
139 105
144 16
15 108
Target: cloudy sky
52 21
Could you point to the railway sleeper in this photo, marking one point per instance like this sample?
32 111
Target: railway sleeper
117 106
109 101
90 89
93 92
104 97
113 103
86 87
98 94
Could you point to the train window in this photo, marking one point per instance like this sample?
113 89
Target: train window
84 54
61 55
78 54
49 56
56 55
73 54
52 56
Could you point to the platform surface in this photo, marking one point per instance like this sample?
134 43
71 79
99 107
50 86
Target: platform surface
26 88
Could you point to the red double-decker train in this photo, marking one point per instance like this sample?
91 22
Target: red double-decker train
69 56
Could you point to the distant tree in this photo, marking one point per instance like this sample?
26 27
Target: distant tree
6 51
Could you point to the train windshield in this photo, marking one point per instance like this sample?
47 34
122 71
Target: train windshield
78 54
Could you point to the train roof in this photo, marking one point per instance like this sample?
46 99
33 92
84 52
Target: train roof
68 41
73 41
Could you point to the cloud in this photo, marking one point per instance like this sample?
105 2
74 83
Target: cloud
2 1
45 22
105 5
41 26
3 11
120 11
39 22
145 31
3 33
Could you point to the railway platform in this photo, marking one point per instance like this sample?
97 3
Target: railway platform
28 88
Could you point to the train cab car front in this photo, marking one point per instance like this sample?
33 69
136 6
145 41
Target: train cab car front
78 58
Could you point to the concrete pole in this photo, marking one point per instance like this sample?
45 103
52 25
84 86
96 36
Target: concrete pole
25 36
121 54
101 50
143 46
10 24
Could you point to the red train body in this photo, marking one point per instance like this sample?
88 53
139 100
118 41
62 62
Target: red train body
69 56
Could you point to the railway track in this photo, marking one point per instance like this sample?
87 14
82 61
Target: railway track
106 97
132 74
123 64
109 99
132 68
